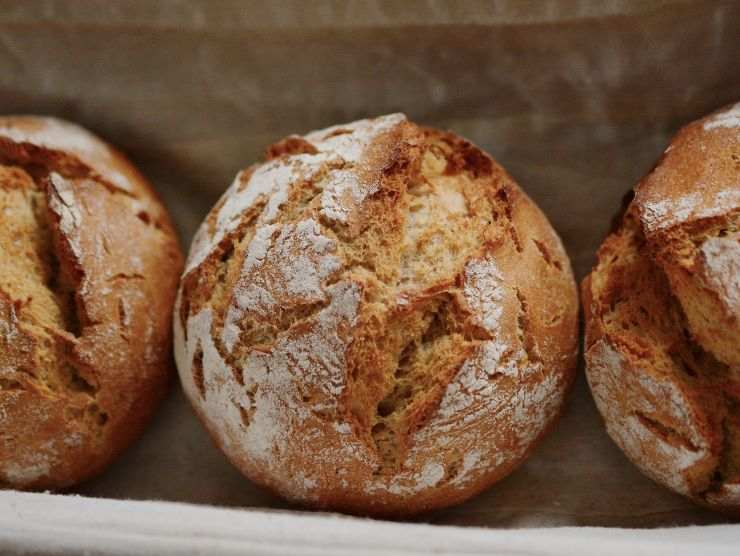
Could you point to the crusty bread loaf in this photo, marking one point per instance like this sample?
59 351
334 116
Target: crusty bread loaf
376 320
89 265
662 318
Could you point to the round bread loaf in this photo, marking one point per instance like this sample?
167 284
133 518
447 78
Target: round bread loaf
662 312
89 265
376 320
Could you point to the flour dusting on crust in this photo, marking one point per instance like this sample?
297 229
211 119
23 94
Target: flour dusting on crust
729 118
272 181
350 141
496 386
697 179
223 396
64 136
285 266
722 261
28 470
343 188
307 362
727 495
63 203
348 187
484 292
668 212
664 462
343 191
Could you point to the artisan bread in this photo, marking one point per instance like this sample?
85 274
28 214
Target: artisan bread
89 265
662 313
376 320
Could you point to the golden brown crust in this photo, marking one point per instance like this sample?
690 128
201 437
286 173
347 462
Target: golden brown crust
689 207
90 265
658 373
376 320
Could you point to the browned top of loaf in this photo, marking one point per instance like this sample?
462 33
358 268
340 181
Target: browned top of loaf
88 267
689 208
377 319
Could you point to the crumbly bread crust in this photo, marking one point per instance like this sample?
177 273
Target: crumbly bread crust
376 320
662 322
89 264
689 207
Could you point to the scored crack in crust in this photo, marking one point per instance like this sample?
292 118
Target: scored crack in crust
662 318
89 264
376 320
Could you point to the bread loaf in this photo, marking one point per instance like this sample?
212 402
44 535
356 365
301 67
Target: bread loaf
89 265
376 320
662 313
